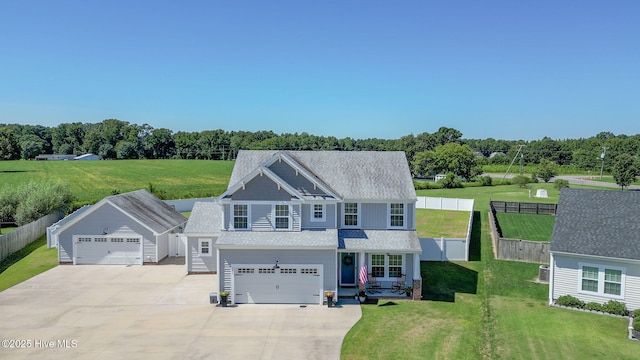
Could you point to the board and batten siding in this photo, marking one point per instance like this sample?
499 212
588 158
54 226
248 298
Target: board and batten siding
297 181
327 258
261 188
566 279
107 219
197 263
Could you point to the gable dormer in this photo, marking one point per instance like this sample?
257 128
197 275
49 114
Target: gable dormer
261 185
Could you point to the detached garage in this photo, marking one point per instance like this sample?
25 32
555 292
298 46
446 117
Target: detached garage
126 229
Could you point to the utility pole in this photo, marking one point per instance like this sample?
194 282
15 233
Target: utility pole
514 159
604 152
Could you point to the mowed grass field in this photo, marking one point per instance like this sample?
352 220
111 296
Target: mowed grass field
526 226
91 181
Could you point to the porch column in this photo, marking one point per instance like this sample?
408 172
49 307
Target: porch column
363 262
417 278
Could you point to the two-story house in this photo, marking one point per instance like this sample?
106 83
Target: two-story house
293 224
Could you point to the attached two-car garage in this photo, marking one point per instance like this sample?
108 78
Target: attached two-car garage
281 284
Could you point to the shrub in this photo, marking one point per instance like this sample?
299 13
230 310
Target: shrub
560 183
614 307
520 180
593 306
486 180
570 301
636 319
534 178
451 182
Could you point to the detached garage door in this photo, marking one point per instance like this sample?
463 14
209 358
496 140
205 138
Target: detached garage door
288 284
105 250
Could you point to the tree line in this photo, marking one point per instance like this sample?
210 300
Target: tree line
117 139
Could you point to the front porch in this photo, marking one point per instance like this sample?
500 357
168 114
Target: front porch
382 293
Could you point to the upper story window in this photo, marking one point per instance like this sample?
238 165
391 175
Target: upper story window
396 215
281 216
318 212
351 215
240 216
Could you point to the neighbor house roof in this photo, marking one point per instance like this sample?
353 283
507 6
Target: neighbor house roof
148 210
598 222
379 240
357 175
318 239
205 218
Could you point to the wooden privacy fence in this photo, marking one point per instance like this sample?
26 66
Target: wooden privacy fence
25 235
517 249
524 208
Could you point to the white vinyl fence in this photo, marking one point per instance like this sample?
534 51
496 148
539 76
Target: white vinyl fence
446 249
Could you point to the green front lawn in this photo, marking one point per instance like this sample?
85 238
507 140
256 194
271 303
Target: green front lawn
526 226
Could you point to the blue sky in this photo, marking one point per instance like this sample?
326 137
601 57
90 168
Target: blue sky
360 69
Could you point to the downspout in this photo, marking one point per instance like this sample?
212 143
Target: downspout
551 282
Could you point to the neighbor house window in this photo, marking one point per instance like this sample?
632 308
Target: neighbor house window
282 216
317 212
204 247
351 215
602 280
396 215
240 216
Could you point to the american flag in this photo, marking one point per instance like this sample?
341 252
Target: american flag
363 275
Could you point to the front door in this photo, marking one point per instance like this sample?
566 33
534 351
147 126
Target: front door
347 269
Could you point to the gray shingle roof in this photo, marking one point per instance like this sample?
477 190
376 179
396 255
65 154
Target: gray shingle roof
285 239
366 175
148 210
206 218
598 222
379 240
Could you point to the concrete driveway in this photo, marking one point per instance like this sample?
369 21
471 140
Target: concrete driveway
120 312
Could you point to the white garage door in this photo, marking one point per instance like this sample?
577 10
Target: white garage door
289 284
105 250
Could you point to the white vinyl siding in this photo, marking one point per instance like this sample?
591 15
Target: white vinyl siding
567 279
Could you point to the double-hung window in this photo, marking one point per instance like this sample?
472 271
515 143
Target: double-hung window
386 265
396 215
602 280
281 212
318 212
240 216
204 247
351 215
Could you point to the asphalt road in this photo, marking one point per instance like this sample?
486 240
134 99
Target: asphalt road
575 179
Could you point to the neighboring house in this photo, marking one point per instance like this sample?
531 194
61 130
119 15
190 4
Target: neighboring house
131 228
55 157
595 247
87 157
293 224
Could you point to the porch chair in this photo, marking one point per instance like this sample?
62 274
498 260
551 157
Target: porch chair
372 284
399 284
